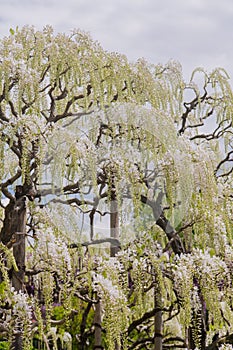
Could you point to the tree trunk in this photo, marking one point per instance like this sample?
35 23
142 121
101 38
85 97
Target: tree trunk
158 345
114 225
114 228
19 255
13 235
114 233
19 252
98 329
114 249
158 321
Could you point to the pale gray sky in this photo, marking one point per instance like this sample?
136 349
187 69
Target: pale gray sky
193 32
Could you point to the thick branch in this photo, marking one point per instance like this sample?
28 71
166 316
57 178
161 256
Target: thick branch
145 317
83 335
164 223
113 241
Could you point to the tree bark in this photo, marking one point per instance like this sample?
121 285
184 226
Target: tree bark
114 248
164 223
114 225
19 255
98 329
158 320
19 251
13 235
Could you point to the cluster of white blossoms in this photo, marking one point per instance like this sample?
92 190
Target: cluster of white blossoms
21 317
228 258
106 279
103 286
204 266
207 274
115 311
51 252
183 271
21 305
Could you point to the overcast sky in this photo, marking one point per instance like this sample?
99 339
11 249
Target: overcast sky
193 32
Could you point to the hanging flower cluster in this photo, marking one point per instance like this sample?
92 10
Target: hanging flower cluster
51 253
20 321
206 274
107 283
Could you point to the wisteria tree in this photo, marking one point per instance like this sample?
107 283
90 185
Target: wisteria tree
116 199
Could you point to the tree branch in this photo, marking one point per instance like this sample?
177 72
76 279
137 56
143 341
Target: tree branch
142 319
189 107
113 241
164 223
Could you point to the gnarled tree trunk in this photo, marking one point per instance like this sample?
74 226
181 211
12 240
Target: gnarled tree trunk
114 225
98 328
13 235
158 319
19 252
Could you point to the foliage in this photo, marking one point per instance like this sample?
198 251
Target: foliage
125 173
